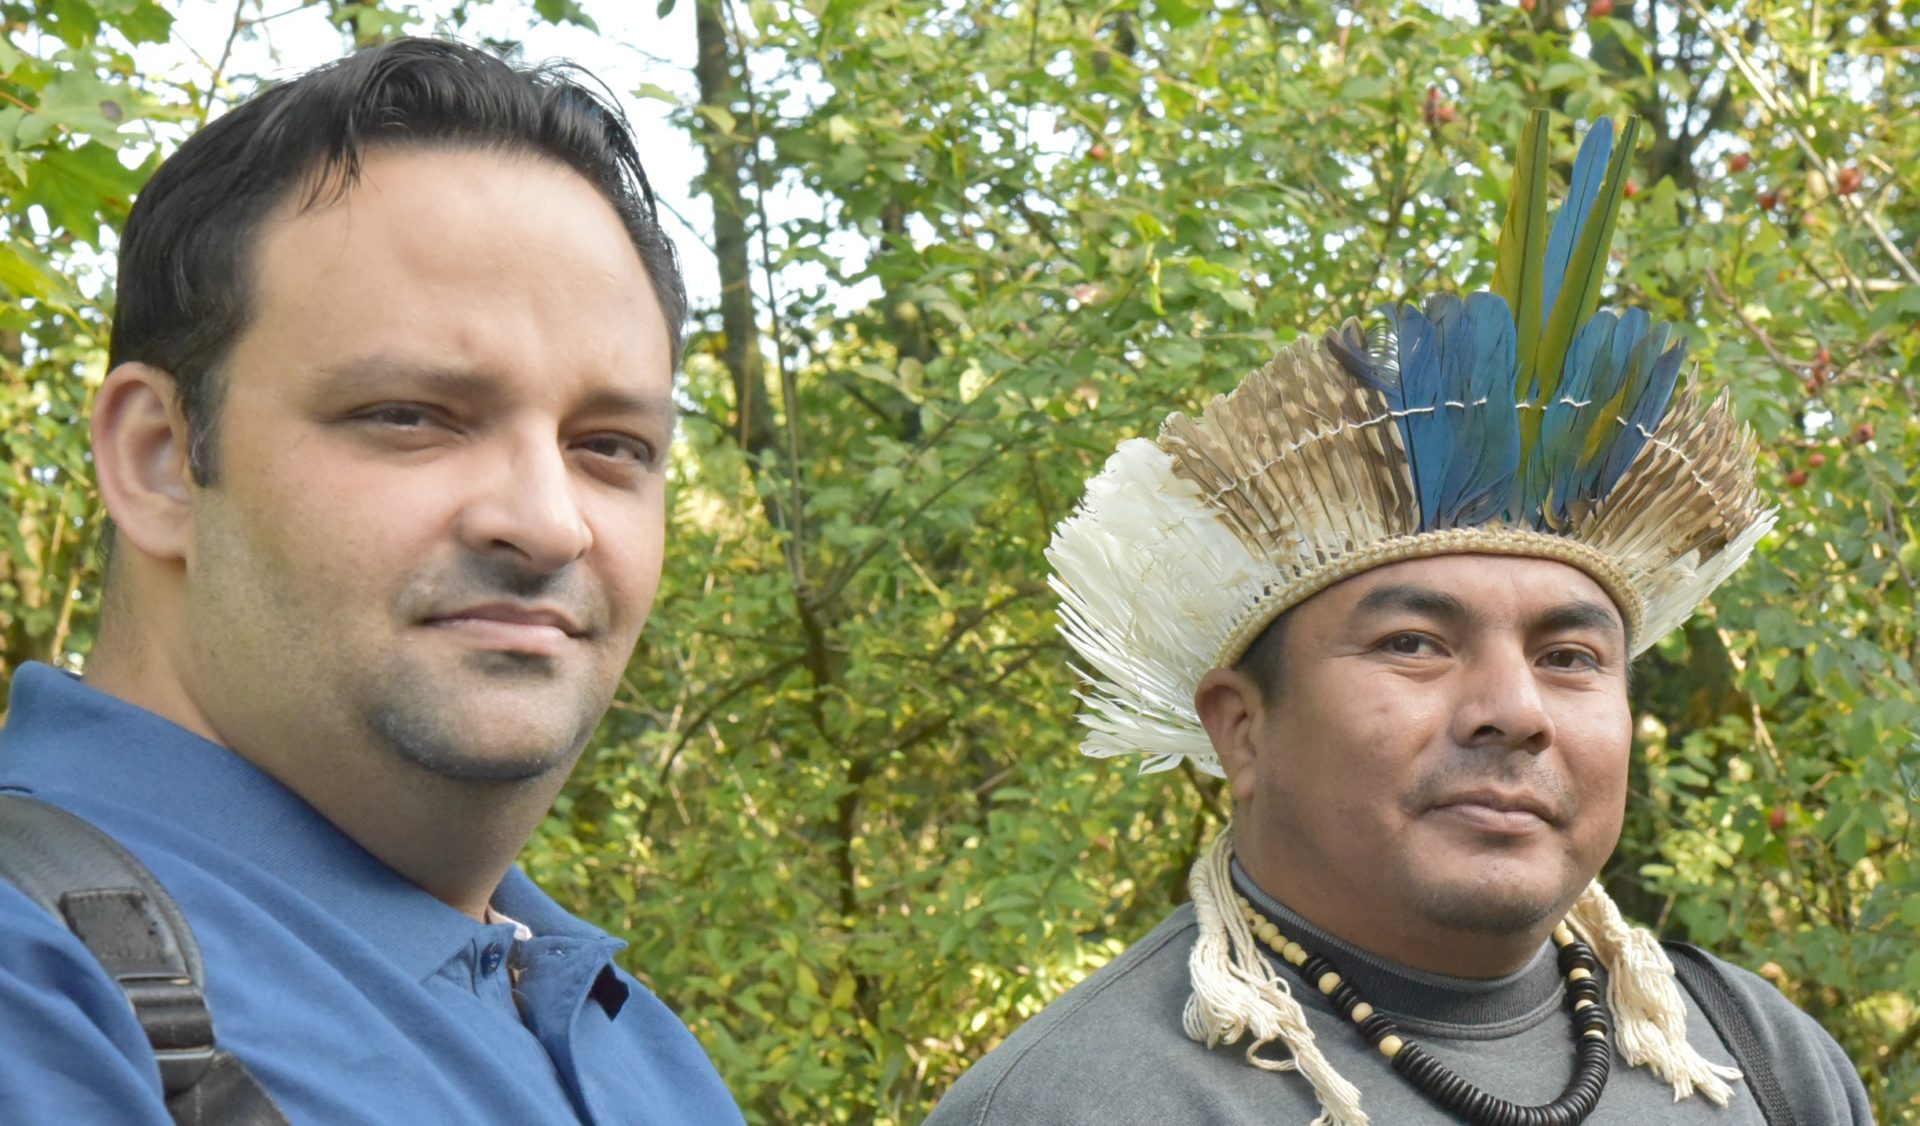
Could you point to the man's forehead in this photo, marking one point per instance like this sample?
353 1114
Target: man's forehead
455 268
1474 586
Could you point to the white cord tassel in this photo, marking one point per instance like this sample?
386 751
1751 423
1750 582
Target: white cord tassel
1236 991
1650 1018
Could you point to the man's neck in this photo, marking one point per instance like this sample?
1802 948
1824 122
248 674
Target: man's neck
454 838
1398 935
1433 998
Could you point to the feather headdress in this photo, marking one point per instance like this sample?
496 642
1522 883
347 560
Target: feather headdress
1522 420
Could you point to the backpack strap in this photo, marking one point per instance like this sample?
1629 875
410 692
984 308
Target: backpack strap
1723 1008
93 886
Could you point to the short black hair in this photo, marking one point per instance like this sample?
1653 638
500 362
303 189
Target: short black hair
1264 661
185 280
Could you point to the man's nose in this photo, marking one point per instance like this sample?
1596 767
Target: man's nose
528 508
1501 705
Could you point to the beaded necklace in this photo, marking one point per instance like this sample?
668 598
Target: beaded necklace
1440 1083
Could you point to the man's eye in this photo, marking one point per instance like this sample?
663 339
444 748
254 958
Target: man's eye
619 447
1408 644
1570 659
401 416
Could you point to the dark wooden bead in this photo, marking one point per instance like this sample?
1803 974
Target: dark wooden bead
1578 957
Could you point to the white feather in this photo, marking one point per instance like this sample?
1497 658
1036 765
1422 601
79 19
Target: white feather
1146 573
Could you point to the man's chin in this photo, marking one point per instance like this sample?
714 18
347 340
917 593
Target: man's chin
490 736
1495 902
508 766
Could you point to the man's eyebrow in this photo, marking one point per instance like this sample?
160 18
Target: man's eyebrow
654 408
1583 614
387 373
1565 617
1409 598
383 373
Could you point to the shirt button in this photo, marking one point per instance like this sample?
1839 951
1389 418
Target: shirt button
490 959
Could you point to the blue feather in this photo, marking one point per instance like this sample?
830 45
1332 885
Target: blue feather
1617 382
1369 355
1481 359
1589 171
1453 398
1643 410
1611 371
1482 438
1423 424
1562 433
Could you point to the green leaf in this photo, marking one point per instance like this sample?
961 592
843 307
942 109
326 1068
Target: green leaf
564 11
25 273
1177 13
1362 88
720 116
77 101
1564 73
144 22
82 188
76 22
1902 305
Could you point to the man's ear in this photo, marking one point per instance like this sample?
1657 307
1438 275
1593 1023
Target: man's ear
140 458
1231 708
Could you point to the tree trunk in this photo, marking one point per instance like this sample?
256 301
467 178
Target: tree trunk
724 183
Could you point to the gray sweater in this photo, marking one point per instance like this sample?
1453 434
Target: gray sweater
1111 1052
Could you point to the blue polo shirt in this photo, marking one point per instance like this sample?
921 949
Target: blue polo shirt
351 994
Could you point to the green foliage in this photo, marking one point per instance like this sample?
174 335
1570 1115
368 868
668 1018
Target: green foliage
75 143
836 810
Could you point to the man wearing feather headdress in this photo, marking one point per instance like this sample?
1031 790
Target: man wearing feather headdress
1389 589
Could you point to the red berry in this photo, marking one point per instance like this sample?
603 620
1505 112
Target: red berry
1848 180
1777 818
1863 433
1739 162
1528 5
1632 189
1769 200
1816 459
1821 370
1797 478
1599 9
1445 113
1097 152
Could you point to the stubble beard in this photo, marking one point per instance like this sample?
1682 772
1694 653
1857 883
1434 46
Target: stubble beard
422 722
407 706
1490 908
423 725
425 715
1490 901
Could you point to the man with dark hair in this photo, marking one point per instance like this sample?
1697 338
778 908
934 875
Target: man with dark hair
1388 589
384 444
